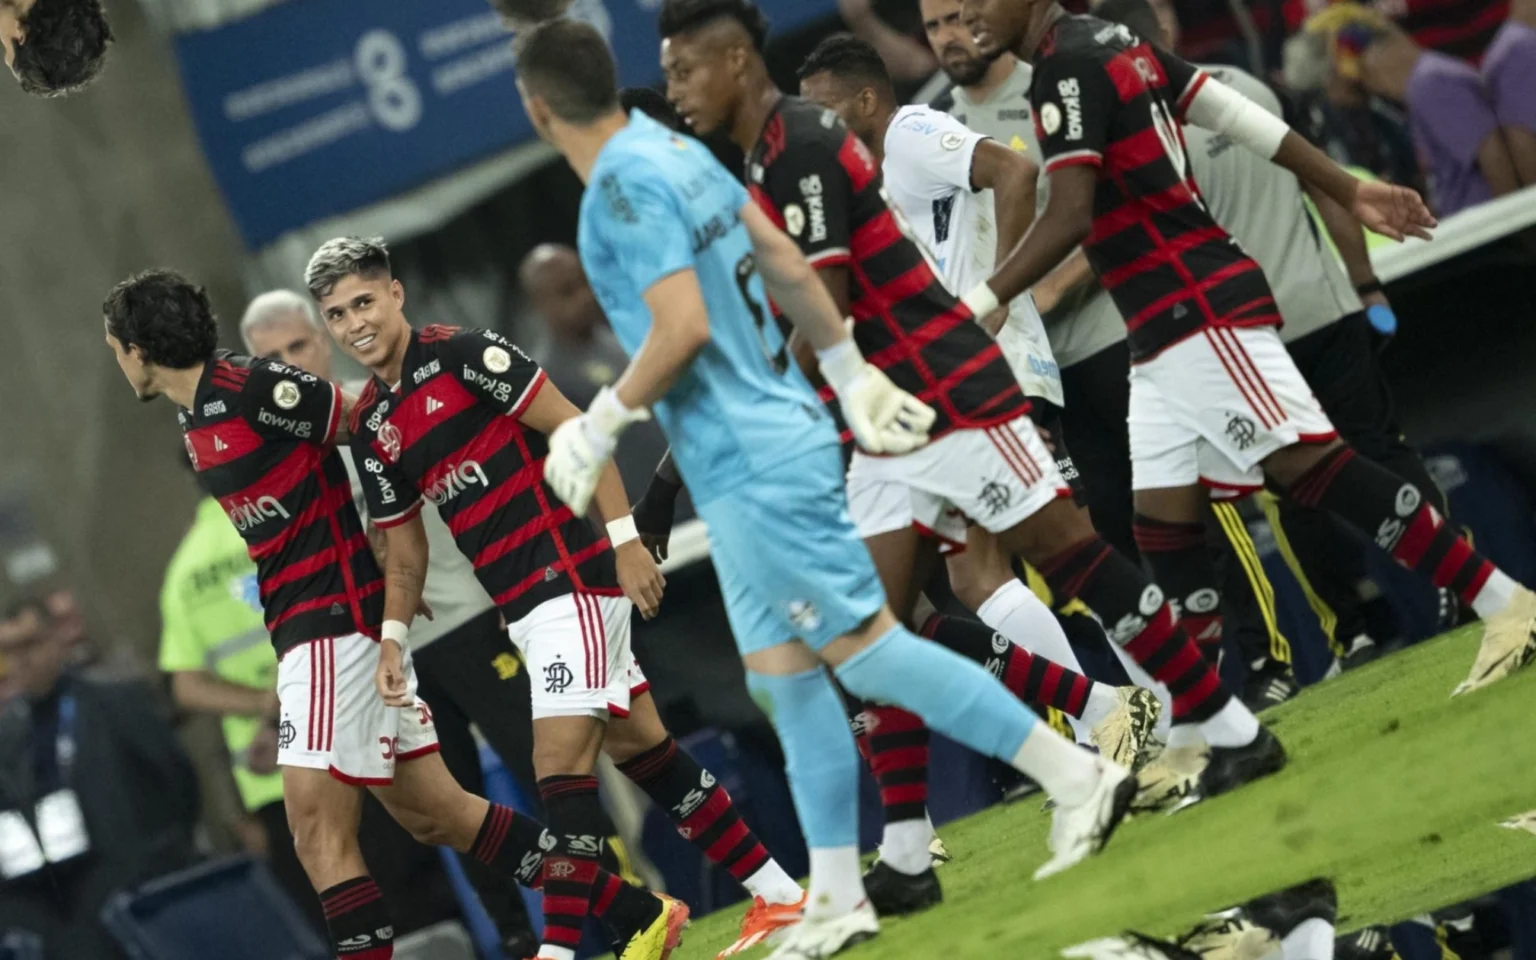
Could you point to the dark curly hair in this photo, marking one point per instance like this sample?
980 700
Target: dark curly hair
165 315
846 57
680 16
652 104
65 46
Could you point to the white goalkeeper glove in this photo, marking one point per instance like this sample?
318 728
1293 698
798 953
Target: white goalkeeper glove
581 446
883 417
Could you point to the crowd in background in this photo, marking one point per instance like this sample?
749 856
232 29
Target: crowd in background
1438 94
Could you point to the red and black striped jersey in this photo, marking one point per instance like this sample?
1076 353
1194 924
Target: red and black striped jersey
449 433
819 183
261 436
1104 97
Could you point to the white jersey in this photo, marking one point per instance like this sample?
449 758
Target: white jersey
451 589
1086 322
927 173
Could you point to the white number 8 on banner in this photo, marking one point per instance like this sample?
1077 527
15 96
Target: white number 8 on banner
392 96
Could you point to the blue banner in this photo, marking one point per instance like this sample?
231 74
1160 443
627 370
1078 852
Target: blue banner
311 108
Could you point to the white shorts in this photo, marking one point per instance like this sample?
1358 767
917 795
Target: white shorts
579 658
996 477
1211 407
334 719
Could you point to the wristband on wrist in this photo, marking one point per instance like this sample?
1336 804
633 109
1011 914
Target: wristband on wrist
608 414
394 630
1369 287
980 300
622 530
840 363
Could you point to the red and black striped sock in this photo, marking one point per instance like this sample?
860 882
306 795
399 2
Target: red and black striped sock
1395 514
571 868
894 743
1134 615
1032 678
699 805
358 920
1185 568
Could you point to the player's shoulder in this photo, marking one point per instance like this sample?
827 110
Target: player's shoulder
373 403
1085 37
807 123
917 132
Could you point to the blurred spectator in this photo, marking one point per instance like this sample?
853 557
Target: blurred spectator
1463 29
580 353
1462 145
1509 72
96 793
906 56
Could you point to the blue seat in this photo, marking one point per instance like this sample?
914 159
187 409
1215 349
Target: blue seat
231 909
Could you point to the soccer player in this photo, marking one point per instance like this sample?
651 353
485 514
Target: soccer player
990 94
54 47
261 437
986 460
1215 398
682 260
458 418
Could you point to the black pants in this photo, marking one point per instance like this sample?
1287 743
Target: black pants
1339 363
474 674
1097 392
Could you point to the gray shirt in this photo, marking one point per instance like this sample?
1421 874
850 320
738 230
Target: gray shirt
1086 321
1263 207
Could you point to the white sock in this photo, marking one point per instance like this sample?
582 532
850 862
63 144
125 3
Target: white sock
1311 940
556 953
1066 771
836 885
1142 678
904 846
1234 725
772 884
1103 700
1015 612
1495 594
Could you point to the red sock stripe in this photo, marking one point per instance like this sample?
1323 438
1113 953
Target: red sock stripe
492 833
1484 571
1048 685
386 952
564 905
351 899
894 720
1016 671
749 863
646 766
904 793
1190 701
560 786
733 835
902 758
1457 557
718 804
562 935
1077 699
1419 535
931 625
604 897
1168 537
1310 488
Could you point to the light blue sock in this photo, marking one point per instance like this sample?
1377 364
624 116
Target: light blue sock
819 753
953 695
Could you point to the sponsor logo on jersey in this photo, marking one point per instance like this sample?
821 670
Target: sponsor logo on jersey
715 228
430 370
951 141
433 405
215 407
286 394
1072 103
499 389
386 489
299 428
455 481
249 513
810 193
1013 115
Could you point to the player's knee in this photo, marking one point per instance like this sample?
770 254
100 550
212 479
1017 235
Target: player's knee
428 828
1049 532
1290 464
320 840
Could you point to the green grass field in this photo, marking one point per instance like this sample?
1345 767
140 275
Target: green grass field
1394 790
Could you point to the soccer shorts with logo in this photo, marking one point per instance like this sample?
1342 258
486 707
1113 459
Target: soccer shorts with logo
789 559
332 717
1211 407
997 477
580 662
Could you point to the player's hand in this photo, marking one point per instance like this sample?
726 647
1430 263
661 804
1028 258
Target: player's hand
653 516
389 677
1394 212
883 417
580 448
993 322
639 577
261 755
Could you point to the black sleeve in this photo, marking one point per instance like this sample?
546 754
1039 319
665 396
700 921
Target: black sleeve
390 496
811 189
1074 101
286 403
495 369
